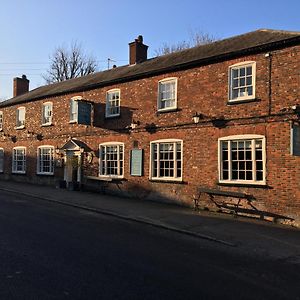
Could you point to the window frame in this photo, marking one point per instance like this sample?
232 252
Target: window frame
45 104
1 160
118 144
74 100
240 65
151 168
107 107
14 170
1 120
159 99
246 137
19 123
52 159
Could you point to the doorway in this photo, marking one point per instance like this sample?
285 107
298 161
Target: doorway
73 169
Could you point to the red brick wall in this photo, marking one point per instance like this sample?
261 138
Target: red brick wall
203 90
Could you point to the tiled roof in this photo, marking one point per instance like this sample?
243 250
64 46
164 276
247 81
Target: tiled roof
255 41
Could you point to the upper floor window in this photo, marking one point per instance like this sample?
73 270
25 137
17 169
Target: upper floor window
111 159
20 122
1 160
242 159
47 113
166 160
45 161
242 81
1 120
113 103
167 94
19 160
74 109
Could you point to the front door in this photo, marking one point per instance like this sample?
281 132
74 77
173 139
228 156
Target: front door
72 171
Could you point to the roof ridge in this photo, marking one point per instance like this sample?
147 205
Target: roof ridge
279 31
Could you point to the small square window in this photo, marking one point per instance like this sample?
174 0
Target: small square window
167 94
73 110
242 81
113 103
47 114
19 160
20 121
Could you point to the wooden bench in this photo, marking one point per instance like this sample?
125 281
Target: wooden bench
236 207
95 183
233 207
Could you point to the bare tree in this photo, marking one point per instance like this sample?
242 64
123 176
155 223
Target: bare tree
197 38
69 63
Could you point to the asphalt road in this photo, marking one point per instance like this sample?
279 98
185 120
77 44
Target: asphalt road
51 251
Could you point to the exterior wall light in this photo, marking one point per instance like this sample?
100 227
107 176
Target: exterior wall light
134 124
196 118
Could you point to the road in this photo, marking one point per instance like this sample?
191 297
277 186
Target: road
52 251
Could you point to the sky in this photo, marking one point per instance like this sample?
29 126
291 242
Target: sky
31 30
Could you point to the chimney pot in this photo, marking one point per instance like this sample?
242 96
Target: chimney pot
20 86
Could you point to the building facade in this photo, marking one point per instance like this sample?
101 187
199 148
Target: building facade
223 116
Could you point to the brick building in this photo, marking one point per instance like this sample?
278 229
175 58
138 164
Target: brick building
222 116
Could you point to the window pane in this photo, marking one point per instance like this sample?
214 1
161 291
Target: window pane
234 73
259 175
242 72
249 70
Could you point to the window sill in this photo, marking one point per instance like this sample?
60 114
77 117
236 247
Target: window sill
19 173
45 174
113 116
73 122
20 127
106 178
46 125
241 101
250 185
169 110
167 181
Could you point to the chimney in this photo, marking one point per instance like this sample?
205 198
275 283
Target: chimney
21 86
137 51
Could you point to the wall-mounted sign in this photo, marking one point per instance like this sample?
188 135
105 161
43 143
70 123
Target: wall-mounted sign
84 113
295 139
136 162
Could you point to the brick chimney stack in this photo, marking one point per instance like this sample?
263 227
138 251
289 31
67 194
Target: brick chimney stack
21 86
137 51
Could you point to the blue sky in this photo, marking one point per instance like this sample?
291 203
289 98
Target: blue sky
31 30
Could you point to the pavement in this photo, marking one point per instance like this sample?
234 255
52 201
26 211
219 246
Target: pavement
254 237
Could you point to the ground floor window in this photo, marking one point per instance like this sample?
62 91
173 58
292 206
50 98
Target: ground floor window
45 161
166 160
111 159
242 159
19 160
1 160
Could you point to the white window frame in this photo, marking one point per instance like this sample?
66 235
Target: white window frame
238 66
1 120
108 103
20 124
14 161
40 160
47 120
159 98
1 160
151 168
120 163
245 137
73 113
